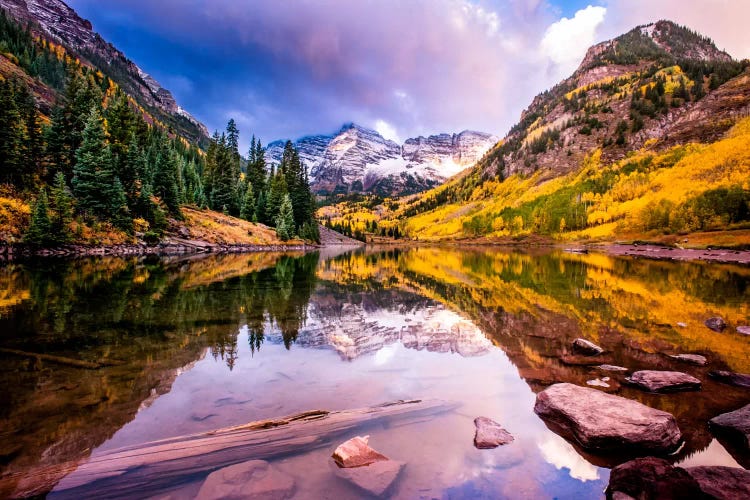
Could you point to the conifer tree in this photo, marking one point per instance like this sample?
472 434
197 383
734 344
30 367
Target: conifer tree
248 205
40 228
277 190
62 210
285 220
91 171
166 180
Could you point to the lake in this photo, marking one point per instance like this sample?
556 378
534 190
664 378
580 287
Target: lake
179 346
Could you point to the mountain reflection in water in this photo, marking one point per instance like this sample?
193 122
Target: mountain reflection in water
286 333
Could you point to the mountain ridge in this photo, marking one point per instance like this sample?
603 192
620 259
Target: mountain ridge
358 159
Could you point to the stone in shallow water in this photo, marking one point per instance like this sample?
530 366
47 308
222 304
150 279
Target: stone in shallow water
490 434
249 480
744 330
587 348
652 478
716 324
612 368
664 381
695 359
356 453
604 422
736 426
682 325
598 382
725 483
376 478
731 378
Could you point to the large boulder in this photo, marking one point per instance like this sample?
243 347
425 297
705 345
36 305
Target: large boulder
734 425
375 479
604 422
731 378
653 479
586 347
255 479
724 483
663 381
716 324
356 453
693 359
490 434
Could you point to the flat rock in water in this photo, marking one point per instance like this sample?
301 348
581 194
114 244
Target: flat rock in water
694 359
731 378
249 480
598 382
356 453
612 368
664 381
604 422
583 360
652 478
716 324
682 325
735 424
376 478
587 348
744 330
490 434
725 483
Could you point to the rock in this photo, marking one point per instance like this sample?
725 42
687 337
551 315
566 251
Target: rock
716 324
583 360
731 378
652 478
356 453
602 382
490 434
682 325
604 422
735 425
725 483
376 478
612 368
255 479
694 359
744 330
664 381
586 347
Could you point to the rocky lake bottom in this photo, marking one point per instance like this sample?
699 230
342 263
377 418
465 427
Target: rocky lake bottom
110 354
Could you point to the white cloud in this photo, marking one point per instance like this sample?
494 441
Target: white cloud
558 452
387 130
566 41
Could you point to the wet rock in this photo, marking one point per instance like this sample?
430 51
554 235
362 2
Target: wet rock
376 478
249 480
716 324
744 330
490 434
604 422
612 368
725 483
694 359
735 426
586 347
664 381
598 382
652 478
356 453
682 325
582 360
731 378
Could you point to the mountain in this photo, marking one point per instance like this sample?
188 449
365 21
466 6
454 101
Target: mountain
57 22
357 159
647 139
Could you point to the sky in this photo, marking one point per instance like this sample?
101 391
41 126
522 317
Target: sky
287 68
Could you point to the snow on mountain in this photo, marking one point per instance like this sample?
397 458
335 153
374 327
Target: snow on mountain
357 159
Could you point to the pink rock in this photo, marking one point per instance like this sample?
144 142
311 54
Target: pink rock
375 478
255 479
490 434
356 453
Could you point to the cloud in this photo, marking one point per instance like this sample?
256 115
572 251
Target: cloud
387 130
566 41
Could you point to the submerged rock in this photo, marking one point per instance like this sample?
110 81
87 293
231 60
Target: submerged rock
664 381
248 480
604 422
694 359
612 368
724 483
376 478
598 382
734 425
586 347
716 324
652 478
744 330
584 360
490 434
356 453
682 325
731 378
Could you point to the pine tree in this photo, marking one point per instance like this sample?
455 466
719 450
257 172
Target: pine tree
285 220
40 228
62 210
90 182
277 190
166 180
248 205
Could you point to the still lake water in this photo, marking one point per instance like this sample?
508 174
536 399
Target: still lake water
198 344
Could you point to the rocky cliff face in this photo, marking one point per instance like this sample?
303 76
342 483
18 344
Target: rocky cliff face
55 20
356 159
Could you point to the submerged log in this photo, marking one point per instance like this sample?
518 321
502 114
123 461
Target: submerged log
61 360
161 465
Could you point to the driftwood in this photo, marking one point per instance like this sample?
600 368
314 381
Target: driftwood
161 465
61 360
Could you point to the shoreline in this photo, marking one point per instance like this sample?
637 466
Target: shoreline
656 252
